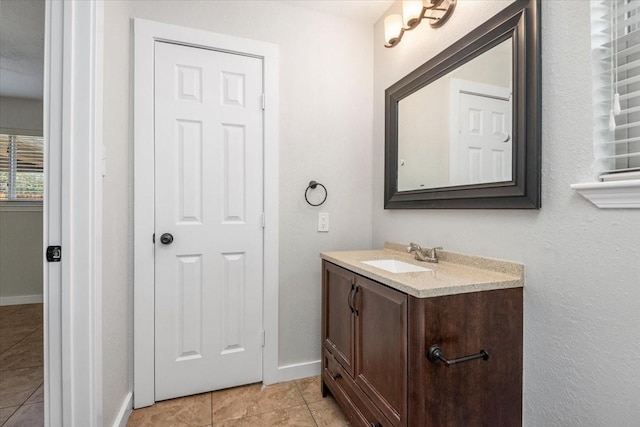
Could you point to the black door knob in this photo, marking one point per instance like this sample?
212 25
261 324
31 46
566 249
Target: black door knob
166 239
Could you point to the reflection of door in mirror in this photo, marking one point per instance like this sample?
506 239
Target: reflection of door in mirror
436 149
480 136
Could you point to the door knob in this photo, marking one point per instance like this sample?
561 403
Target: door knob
166 239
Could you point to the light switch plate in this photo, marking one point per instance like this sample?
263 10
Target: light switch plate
323 222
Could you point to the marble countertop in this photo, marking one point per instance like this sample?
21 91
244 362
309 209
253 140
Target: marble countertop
454 274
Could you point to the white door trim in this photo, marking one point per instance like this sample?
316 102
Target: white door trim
146 33
73 213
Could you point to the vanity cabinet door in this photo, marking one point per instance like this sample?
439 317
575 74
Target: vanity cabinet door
338 325
476 392
381 348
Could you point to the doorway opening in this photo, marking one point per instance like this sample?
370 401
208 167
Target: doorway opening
22 29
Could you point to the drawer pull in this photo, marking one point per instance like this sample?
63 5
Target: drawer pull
434 354
336 376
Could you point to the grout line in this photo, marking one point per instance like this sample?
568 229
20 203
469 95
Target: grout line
23 338
312 417
16 410
31 395
27 335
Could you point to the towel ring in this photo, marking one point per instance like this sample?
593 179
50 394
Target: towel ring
312 185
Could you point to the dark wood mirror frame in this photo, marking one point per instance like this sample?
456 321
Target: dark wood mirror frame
519 21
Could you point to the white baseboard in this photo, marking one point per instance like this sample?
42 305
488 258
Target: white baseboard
125 411
21 299
298 370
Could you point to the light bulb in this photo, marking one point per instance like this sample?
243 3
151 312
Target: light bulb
411 10
392 28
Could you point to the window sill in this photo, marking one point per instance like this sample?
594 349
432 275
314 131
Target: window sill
20 206
612 194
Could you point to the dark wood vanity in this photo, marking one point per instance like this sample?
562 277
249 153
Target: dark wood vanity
376 341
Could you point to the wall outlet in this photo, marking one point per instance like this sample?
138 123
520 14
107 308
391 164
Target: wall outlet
323 222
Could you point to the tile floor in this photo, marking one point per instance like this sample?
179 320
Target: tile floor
21 366
296 403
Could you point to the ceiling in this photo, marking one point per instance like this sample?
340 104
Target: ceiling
22 37
365 11
22 48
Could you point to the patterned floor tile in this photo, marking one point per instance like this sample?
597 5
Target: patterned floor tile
190 411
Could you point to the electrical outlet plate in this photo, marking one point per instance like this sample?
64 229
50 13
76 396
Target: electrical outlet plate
323 222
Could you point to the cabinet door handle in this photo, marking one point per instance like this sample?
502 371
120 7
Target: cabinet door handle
376 424
434 354
349 296
354 310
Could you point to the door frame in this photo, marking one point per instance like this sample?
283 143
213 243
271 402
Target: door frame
72 214
146 33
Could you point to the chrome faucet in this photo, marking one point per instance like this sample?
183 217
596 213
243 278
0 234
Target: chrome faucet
421 254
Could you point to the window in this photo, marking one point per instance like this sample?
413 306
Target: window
616 28
21 172
615 35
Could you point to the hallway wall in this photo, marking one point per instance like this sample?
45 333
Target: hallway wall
21 242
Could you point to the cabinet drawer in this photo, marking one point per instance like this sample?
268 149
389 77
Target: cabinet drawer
358 408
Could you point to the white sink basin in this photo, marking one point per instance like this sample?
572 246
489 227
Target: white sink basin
395 266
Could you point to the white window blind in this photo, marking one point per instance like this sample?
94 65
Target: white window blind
616 55
21 171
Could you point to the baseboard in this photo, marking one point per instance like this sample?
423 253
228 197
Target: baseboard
125 411
21 299
298 370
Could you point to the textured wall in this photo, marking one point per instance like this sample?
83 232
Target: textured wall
326 110
582 340
117 222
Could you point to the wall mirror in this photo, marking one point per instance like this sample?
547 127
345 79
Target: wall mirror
463 130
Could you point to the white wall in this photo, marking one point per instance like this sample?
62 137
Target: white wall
117 268
21 114
326 107
582 334
20 255
20 231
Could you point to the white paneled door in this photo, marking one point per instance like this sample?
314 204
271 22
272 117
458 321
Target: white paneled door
485 138
481 137
208 220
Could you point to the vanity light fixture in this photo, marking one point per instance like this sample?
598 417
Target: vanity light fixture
413 12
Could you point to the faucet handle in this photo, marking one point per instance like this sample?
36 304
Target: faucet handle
434 254
413 247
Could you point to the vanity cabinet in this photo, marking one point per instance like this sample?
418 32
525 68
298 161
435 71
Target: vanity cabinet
375 362
364 332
